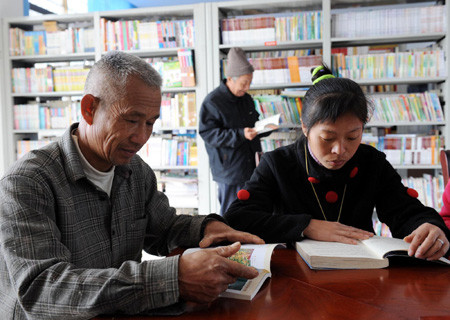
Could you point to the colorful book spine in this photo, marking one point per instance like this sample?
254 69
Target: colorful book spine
416 107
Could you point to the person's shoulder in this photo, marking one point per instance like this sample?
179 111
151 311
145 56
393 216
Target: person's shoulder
370 152
140 168
369 156
216 93
37 161
283 154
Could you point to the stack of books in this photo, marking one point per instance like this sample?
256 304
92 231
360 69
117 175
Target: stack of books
407 149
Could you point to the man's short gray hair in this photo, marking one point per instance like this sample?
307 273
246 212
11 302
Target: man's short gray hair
108 77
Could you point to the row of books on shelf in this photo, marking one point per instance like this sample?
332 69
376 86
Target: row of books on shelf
413 107
407 149
54 77
306 25
285 53
42 42
160 152
146 35
25 146
181 187
380 88
56 114
388 108
380 229
361 50
279 139
290 109
281 70
430 189
384 22
48 79
415 63
178 110
175 71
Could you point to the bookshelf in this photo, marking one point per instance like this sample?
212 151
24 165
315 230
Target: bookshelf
207 52
345 24
193 173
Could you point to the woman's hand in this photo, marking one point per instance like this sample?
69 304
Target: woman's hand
335 232
427 242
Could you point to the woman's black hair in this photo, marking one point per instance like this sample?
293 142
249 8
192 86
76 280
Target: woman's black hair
331 97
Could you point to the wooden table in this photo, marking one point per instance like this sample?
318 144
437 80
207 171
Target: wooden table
296 292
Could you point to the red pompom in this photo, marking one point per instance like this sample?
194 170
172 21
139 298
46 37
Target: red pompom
412 193
243 194
354 172
313 180
331 197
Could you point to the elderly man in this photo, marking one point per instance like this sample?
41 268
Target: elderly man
227 118
76 215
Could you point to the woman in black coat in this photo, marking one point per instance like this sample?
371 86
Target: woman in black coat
327 184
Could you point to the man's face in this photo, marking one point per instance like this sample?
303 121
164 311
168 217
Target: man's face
241 85
119 131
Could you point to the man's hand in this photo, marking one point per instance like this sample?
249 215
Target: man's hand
427 242
216 232
250 133
335 232
204 274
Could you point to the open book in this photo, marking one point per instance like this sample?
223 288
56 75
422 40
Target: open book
373 253
268 124
254 255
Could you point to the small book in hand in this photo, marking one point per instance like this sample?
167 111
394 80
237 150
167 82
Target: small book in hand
253 255
268 124
373 253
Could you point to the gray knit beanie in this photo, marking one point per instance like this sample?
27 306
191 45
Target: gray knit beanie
238 64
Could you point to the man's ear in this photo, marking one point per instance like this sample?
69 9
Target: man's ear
89 104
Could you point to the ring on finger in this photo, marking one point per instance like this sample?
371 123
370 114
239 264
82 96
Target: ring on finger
441 241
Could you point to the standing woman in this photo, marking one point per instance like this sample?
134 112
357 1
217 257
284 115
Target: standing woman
326 185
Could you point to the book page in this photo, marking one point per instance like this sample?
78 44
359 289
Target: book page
336 249
268 124
382 245
253 255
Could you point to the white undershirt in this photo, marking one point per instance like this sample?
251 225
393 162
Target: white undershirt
101 179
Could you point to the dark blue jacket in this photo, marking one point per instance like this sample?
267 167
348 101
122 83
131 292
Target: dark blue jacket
223 117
